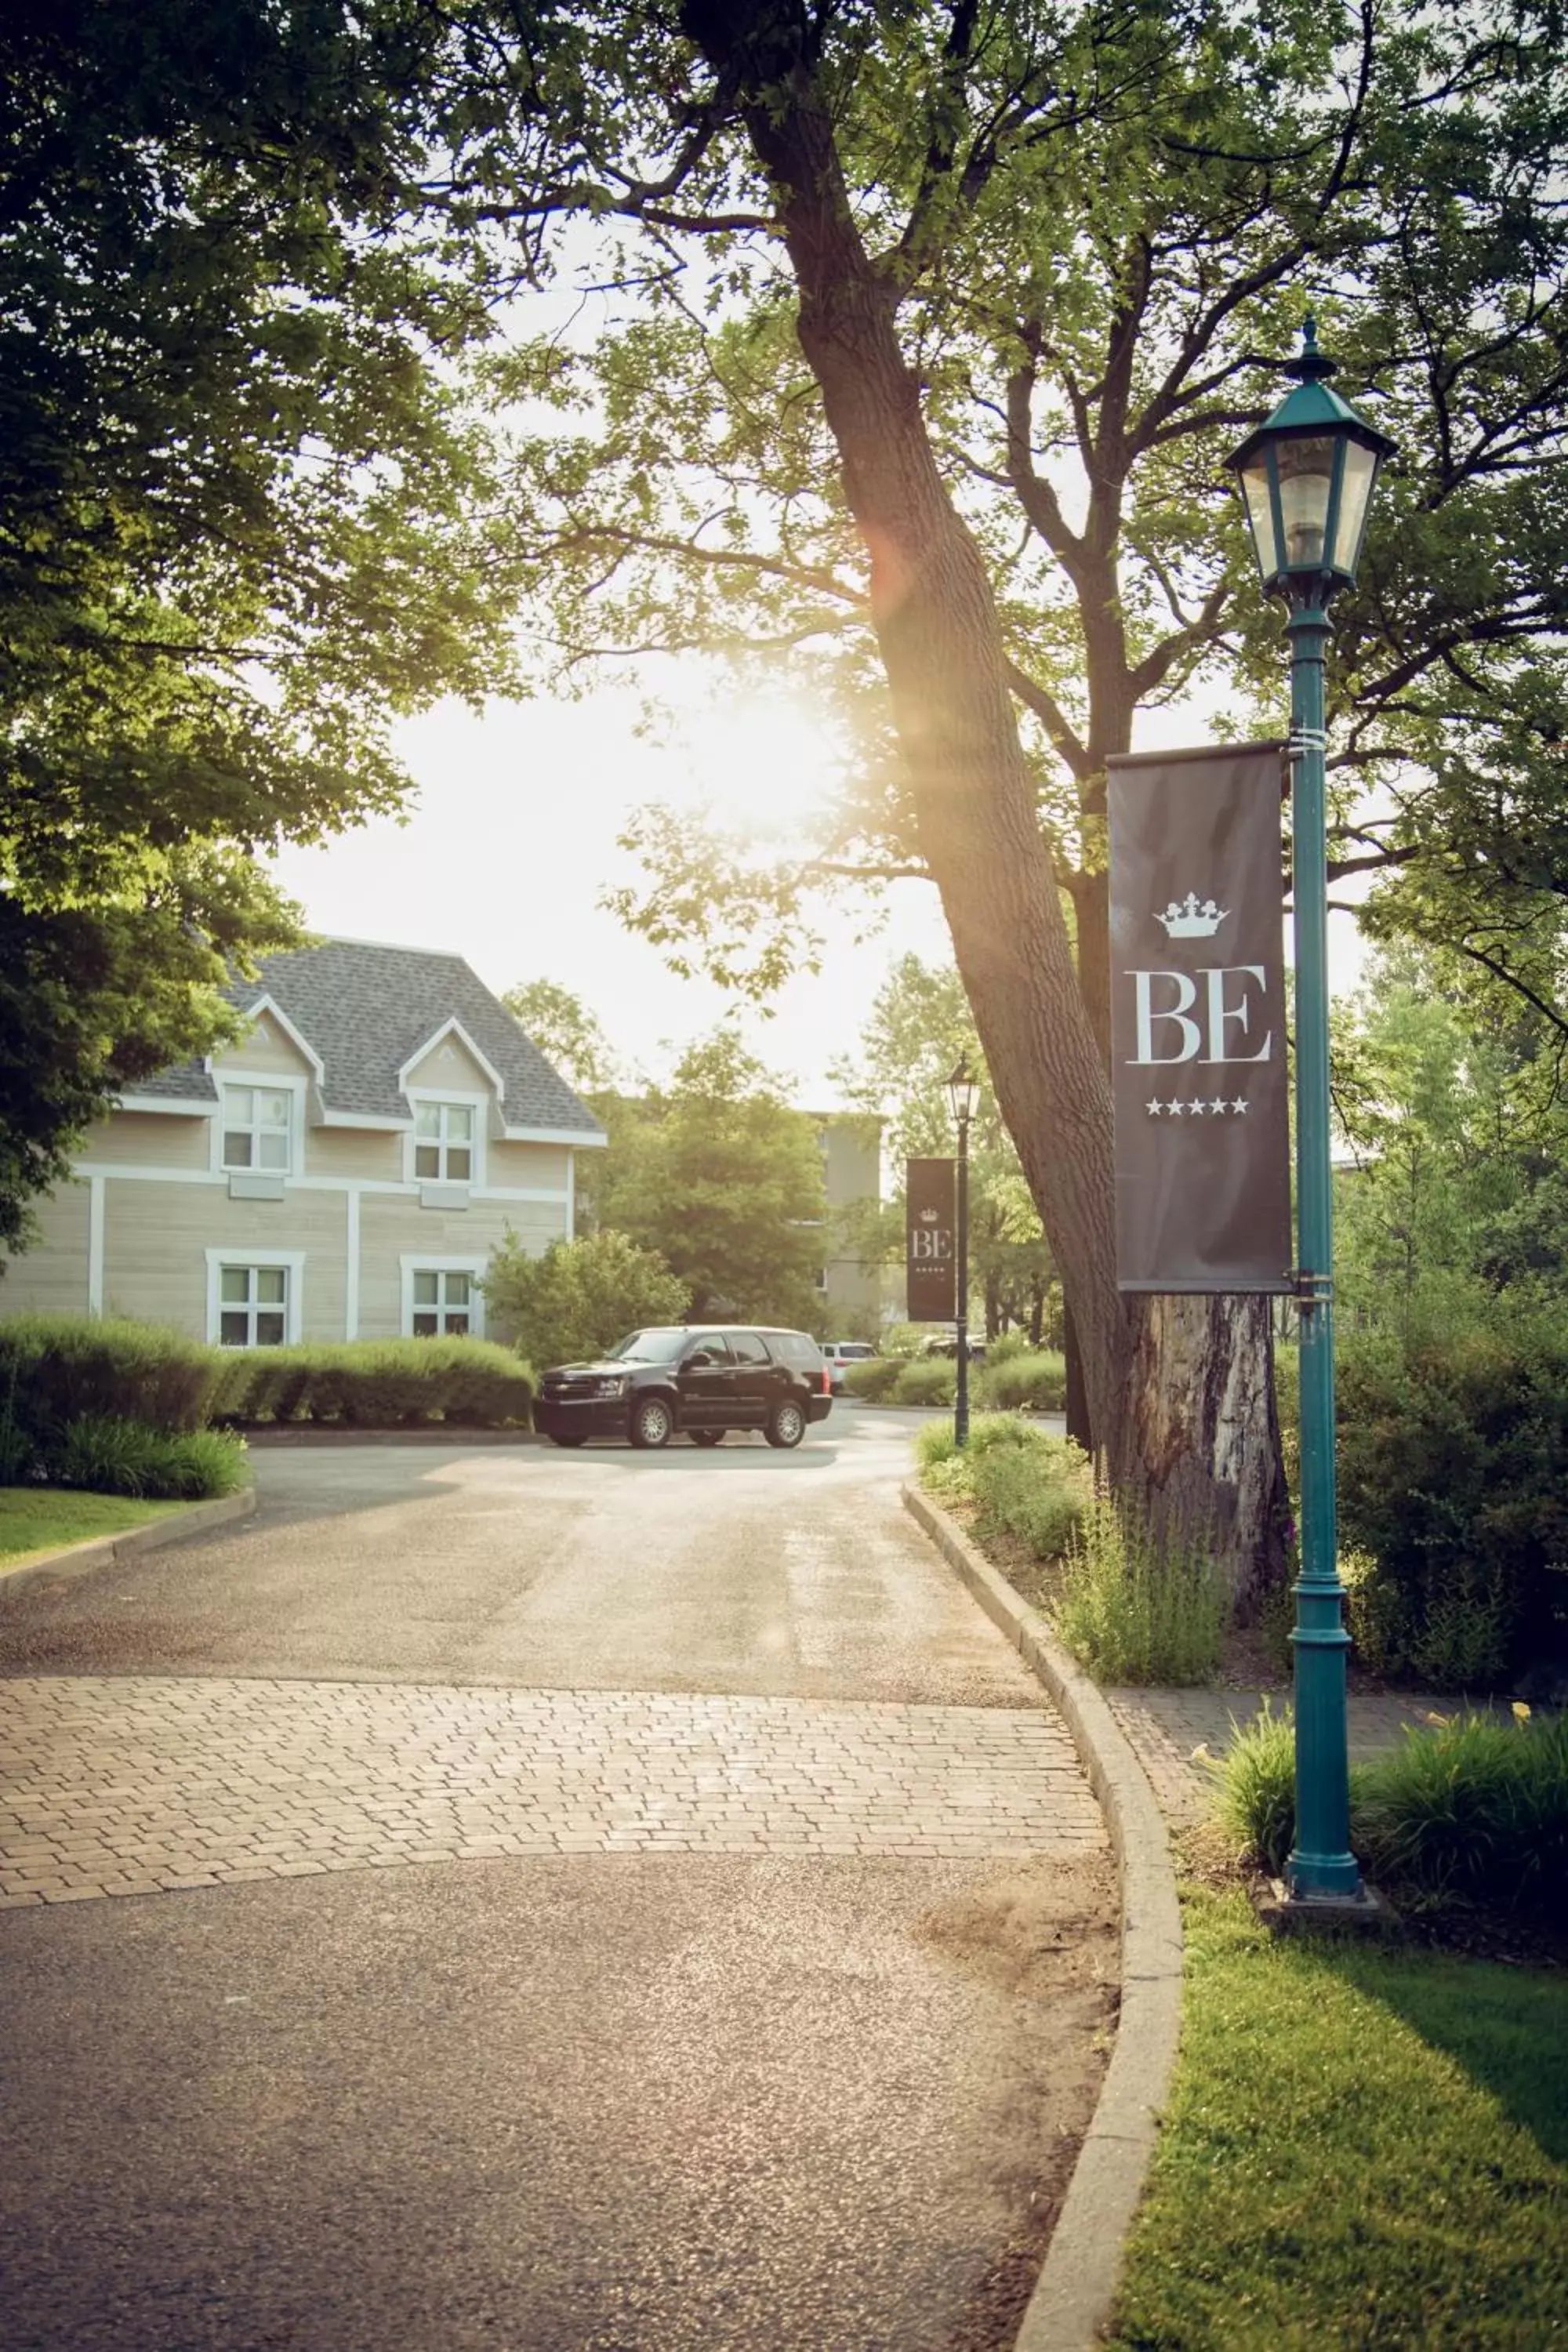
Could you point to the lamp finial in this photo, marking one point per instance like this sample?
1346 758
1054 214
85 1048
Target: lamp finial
1311 365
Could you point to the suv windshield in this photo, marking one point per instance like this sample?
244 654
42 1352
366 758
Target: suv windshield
658 1347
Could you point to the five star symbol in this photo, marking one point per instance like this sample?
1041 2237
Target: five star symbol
1215 1106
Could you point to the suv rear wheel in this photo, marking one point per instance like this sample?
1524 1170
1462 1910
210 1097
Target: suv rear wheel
653 1423
786 1424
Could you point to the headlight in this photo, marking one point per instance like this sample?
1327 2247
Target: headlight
613 1386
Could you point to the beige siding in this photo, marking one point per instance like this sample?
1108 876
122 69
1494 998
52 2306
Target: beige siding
393 1225
452 1068
354 1151
529 1167
156 1238
265 1047
148 1138
50 1279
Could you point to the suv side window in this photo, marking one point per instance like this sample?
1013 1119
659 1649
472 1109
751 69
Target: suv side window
796 1348
711 1344
748 1349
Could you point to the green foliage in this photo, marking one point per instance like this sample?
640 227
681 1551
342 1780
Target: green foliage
570 1038
874 1379
1453 1483
42 1518
379 1384
928 1383
1022 1481
111 1455
1470 1810
1009 1382
581 1296
717 1176
1005 1346
1139 1608
232 463
58 1369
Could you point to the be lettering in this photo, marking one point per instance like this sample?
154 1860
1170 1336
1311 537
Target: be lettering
1182 1032
929 1246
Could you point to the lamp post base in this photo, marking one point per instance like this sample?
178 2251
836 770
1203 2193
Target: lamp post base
1286 1913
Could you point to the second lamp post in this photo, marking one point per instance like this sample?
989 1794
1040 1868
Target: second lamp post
964 1093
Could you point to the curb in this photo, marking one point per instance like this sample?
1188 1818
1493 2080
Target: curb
1075 2290
105 1551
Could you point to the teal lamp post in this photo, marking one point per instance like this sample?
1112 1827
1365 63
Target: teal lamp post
964 1093
1307 480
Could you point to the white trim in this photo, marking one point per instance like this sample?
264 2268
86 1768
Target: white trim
413 1262
274 1082
379 1120
171 1105
247 1254
571 1196
95 1246
263 1006
555 1194
581 1138
451 1027
351 1265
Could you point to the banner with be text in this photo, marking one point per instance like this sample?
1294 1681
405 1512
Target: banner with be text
930 1252
1197 974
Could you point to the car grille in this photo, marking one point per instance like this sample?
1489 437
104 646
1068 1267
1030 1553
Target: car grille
565 1391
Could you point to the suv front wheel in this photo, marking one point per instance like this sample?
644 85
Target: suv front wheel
653 1423
786 1424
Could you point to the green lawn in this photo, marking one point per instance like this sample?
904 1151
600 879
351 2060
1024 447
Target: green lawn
1366 2147
39 1519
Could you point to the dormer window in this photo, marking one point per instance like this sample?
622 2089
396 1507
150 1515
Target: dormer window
444 1143
256 1128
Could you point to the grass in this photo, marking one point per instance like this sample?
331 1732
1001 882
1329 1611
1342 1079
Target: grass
39 1518
1365 2147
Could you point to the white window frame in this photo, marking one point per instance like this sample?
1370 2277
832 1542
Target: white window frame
274 1082
447 1098
442 1262
247 1255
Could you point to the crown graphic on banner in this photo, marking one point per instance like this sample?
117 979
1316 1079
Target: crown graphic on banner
928 1216
1192 917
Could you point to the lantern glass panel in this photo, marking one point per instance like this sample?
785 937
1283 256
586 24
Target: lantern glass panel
1261 514
1355 494
1306 476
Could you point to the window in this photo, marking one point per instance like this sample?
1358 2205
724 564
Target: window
748 1349
443 1303
253 1306
444 1143
256 1128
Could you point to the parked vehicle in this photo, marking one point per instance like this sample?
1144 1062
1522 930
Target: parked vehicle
945 1343
836 1353
700 1379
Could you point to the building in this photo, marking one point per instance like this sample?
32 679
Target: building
342 1172
854 1295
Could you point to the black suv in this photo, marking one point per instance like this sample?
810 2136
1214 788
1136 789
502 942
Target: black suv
703 1378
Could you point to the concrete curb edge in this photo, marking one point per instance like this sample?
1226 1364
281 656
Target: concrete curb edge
1076 2291
104 1551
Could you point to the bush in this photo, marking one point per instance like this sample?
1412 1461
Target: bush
1453 1483
580 1297
1472 1809
931 1383
107 1454
1036 1491
381 1384
1005 1345
57 1369
1022 1378
873 1380
1137 1607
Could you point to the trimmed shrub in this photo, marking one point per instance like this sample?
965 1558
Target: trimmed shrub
1022 1378
380 1384
1005 1345
1453 1483
931 1382
874 1379
57 1369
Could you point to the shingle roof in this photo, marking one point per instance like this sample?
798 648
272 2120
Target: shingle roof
366 1010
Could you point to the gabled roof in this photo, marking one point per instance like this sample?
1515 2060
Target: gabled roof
367 1011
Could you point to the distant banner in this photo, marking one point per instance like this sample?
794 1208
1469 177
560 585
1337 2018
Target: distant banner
930 1253
1197 979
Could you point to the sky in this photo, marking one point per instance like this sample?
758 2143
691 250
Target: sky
512 838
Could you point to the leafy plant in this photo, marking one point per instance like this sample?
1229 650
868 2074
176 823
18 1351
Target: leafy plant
931 1383
579 1298
1138 1607
873 1380
1035 1377
1255 1788
1474 1808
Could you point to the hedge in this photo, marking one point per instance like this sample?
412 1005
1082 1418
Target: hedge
58 1369
378 1384
1036 1379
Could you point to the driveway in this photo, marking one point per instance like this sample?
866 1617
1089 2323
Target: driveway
540 1900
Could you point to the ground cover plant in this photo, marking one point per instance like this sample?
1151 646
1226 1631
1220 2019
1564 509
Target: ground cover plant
39 1519
1364 2147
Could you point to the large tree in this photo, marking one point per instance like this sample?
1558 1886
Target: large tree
926 328
237 505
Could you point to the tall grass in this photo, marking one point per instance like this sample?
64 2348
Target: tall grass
1135 1606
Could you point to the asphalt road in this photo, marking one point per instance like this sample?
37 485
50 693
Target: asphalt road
583 2100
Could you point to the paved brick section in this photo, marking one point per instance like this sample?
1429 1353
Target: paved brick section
126 1785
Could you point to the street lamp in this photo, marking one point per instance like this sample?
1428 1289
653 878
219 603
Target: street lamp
964 1093
1307 480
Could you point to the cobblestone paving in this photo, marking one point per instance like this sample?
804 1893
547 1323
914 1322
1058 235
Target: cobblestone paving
1165 1725
127 1785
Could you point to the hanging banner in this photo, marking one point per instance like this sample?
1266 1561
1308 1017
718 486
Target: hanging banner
1197 1001
930 1251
